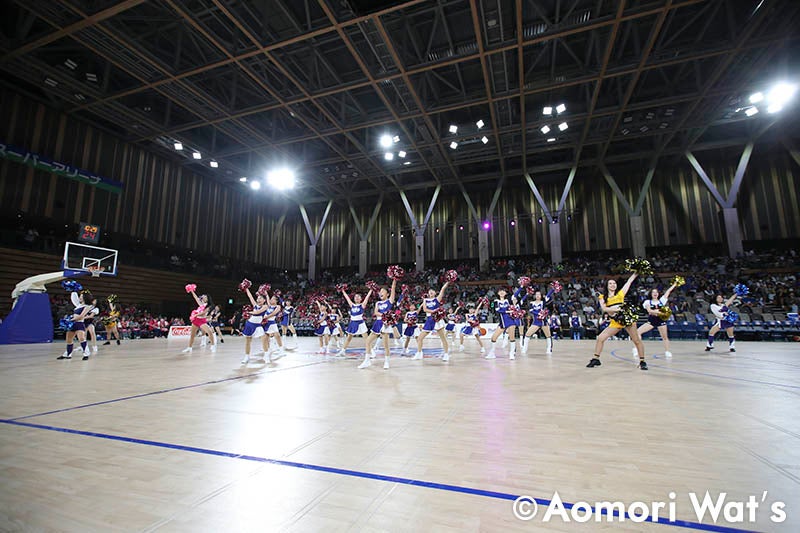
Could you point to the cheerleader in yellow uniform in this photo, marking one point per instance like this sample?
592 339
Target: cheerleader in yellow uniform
611 302
111 321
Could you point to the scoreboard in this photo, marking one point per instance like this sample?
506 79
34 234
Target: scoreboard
89 233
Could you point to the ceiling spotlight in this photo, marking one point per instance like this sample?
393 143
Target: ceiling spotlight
643 129
513 222
486 225
540 220
178 146
561 108
401 153
388 156
461 228
774 108
562 126
780 94
625 131
214 164
751 111
453 128
243 179
281 178
555 220
453 145
547 110
484 139
551 139
407 163
386 141
197 155
545 129
255 185
91 77
396 139
479 124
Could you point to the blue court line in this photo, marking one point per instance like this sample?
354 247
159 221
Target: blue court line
363 475
759 382
164 391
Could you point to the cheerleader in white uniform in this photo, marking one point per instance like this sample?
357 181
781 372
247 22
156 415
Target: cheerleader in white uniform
539 313
379 329
430 305
91 334
77 327
333 328
472 327
270 324
356 326
720 310
253 328
653 306
411 330
508 324
321 327
286 321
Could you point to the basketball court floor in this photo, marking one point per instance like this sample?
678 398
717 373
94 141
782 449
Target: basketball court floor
144 438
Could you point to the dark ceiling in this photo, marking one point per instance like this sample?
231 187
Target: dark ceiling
313 84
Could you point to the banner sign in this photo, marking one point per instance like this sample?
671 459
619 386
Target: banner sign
39 162
179 331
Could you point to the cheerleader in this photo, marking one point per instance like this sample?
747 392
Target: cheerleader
412 329
383 306
452 319
356 326
508 324
540 320
111 323
611 302
472 327
76 326
430 305
654 307
334 328
199 320
270 324
720 310
286 321
91 334
253 328
214 323
321 327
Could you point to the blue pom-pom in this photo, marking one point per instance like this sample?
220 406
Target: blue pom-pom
732 317
66 323
70 285
741 290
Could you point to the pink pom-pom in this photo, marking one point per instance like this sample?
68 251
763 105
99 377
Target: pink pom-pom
556 286
264 288
524 281
277 293
404 288
412 321
191 287
451 276
514 311
371 285
390 318
530 290
395 272
483 301
439 314
246 310
341 287
245 284
543 314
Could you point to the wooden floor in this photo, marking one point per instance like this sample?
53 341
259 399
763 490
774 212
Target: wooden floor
143 438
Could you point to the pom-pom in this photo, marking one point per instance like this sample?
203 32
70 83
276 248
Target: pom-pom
70 285
741 290
245 284
439 314
246 311
264 288
404 289
731 316
371 285
277 293
678 281
341 287
391 318
627 315
112 298
395 272
474 323
530 290
459 318
483 301
664 313
195 312
556 286
639 266
543 314
451 276
514 311
191 287
524 281
66 323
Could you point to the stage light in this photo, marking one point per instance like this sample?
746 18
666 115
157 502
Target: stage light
751 111
243 179
756 97
197 155
551 139
386 141
461 228
547 110
401 154
545 129
513 222
486 225
555 220
50 81
484 139
780 94
178 146
562 126
437 230
255 185
281 178
774 108
453 145
388 156
453 128
407 163
480 124
396 139
561 108
540 220
213 164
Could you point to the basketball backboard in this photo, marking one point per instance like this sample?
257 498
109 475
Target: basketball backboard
81 259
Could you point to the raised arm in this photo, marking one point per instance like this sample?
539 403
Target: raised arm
347 298
730 300
627 286
366 298
440 297
668 292
276 312
393 292
196 299
250 296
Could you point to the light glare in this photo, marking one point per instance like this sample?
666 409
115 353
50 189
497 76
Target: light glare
453 145
484 139
281 178
388 156
561 108
255 185
479 124
197 155
751 111
562 126
178 146
756 97
545 129
386 141
547 110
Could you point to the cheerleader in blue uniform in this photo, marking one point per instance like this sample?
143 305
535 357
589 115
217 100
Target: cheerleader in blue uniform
508 324
253 327
724 321
333 328
411 329
430 305
356 326
654 306
379 329
286 321
321 327
91 334
75 325
472 327
452 319
270 324
538 309
214 322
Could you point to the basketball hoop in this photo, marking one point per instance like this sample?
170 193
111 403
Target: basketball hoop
95 271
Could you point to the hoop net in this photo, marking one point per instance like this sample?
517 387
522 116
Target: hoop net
95 270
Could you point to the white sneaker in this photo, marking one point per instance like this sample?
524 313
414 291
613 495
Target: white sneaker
635 352
321 350
187 350
203 341
417 357
213 347
483 350
407 351
491 355
461 348
366 363
372 354
511 356
667 354
386 363
446 357
340 353
245 359
94 349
